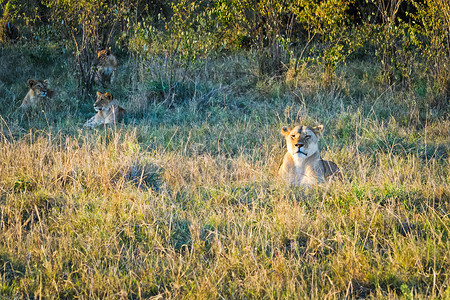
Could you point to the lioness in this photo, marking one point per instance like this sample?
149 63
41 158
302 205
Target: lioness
108 111
106 67
38 91
302 164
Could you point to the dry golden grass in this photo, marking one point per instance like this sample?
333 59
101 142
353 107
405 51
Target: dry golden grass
182 202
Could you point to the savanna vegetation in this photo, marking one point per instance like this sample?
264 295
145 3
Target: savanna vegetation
182 199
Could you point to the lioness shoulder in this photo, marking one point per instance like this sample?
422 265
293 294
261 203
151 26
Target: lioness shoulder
302 164
108 111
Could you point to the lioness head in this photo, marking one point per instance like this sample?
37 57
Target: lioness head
104 101
102 54
302 141
39 87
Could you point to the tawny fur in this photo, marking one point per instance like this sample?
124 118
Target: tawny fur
302 165
106 67
108 111
36 95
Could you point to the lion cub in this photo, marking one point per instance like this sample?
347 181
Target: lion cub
302 164
106 67
35 96
108 111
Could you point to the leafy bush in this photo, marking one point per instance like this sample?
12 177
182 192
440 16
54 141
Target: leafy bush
89 26
431 31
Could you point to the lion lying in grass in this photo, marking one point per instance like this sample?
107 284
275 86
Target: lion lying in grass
108 111
302 165
35 96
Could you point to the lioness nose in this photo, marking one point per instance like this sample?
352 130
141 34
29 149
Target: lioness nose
298 145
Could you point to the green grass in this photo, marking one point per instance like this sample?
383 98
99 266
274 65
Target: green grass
182 200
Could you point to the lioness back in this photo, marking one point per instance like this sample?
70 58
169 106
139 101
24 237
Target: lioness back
331 170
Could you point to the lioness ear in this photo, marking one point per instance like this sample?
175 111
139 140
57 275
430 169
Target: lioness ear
31 82
285 130
108 96
318 129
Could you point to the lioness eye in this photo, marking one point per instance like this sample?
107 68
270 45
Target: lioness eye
292 136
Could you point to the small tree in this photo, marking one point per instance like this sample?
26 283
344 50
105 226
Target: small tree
432 30
387 32
328 23
7 30
90 25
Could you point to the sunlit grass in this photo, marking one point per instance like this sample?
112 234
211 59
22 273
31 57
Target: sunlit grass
182 200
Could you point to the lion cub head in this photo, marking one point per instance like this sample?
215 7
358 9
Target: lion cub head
102 54
104 101
38 87
38 91
302 141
